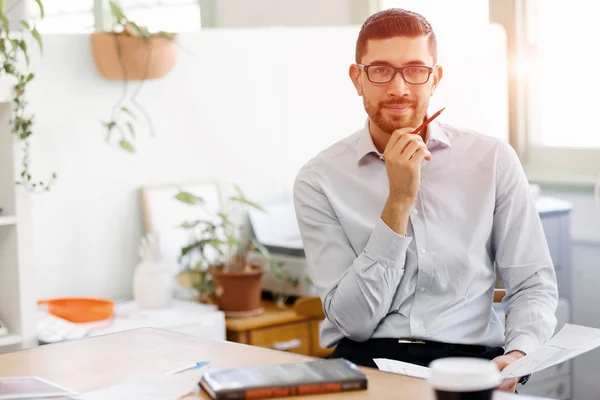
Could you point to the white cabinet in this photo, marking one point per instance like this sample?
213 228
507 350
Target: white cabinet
555 214
187 317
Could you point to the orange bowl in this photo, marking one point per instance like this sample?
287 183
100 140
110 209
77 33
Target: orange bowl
80 309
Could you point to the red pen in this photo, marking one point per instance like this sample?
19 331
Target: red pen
424 124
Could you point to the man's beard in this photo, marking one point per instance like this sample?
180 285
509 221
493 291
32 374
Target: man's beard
413 117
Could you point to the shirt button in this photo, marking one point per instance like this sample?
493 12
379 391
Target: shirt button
415 211
423 251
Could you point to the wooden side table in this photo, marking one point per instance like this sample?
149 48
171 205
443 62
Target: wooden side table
278 329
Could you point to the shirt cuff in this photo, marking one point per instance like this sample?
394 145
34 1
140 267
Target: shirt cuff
387 246
525 343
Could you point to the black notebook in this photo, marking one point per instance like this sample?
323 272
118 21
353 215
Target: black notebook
282 380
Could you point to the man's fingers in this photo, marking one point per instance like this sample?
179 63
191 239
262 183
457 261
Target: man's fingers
411 148
420 155
401 144
509 385
396 136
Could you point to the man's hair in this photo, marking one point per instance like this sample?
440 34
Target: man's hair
394 22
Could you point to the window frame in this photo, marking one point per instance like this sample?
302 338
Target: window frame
544 165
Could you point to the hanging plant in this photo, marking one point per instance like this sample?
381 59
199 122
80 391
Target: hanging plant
131 52
12 47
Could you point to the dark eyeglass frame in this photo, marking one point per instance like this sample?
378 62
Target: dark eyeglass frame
396 71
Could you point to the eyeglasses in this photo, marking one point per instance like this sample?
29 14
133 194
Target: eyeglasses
413 74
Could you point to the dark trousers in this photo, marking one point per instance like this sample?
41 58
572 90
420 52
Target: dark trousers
363 353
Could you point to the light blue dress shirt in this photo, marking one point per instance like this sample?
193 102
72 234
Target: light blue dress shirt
474 215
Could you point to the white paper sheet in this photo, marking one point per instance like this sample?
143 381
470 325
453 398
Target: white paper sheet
151 387
569 342
402 368
417 371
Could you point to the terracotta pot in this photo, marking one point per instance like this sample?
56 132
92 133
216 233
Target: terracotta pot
238 293
141 58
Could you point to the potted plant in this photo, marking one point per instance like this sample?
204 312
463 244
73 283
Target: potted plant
218 257
130 52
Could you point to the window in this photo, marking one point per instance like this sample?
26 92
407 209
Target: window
563 83
65 16
556 65
78 16
166 15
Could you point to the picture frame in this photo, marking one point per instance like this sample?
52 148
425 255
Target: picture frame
163 214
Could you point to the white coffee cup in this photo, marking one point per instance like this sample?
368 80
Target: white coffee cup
464 378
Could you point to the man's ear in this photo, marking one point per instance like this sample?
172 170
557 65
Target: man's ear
437 74
354 73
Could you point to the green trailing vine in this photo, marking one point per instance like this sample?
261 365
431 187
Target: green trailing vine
12 47
122 119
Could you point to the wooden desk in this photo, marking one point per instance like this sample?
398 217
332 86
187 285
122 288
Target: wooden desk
278 329
97 362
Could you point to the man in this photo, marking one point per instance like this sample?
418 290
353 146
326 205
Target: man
404 233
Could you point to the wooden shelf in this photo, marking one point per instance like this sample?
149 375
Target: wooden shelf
7 340
8 220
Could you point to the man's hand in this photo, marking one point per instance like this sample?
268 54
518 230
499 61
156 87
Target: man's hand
403 156
502 362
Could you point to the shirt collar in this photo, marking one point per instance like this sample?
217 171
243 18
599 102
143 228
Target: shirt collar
435 136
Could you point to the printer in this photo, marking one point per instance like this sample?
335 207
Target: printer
277 229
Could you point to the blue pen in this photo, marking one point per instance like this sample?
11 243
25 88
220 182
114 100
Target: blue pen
188 367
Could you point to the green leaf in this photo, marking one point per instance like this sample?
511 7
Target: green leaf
293 281
189 225
216 244
29 77
166 35
23 46
187 249
131 130
232 240
25 24
126 111
247 202
125 145
275 269
139 31
41 7
117 12
38 38
189 198
225 219
5 22
110 125
263 250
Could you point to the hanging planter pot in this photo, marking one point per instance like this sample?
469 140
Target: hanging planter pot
120 56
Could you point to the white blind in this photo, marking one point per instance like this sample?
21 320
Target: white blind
563 77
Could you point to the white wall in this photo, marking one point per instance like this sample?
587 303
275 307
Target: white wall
216 117
248 106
